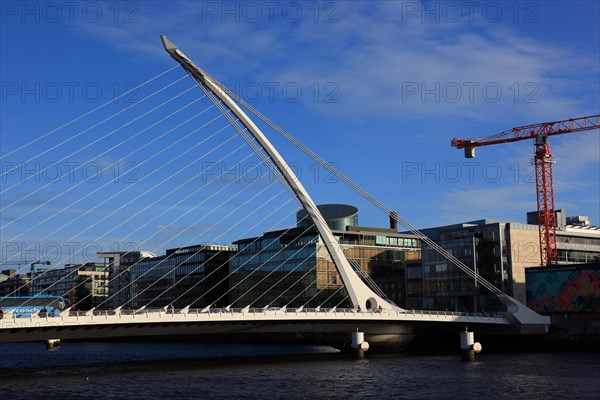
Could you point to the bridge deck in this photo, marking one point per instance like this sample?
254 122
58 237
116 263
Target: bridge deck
391 328
101 317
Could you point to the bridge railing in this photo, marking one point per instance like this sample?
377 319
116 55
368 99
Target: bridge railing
434 313
287 311
272 311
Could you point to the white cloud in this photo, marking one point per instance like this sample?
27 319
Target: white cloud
378 54
385 65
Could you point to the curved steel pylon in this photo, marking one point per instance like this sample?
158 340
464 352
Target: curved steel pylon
360 294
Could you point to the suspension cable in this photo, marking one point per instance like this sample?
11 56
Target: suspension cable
222 233
172 222
96 157
85 114
145 208
156 154
237 253
88 129
482 281
182 216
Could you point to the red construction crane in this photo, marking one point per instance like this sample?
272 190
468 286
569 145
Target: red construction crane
543 161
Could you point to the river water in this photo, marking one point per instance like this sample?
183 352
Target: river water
201 371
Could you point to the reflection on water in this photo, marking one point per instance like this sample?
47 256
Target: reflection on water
147 370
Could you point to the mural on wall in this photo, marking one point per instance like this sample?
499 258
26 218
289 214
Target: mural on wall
564 290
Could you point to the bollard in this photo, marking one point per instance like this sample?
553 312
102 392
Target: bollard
358 344
468 345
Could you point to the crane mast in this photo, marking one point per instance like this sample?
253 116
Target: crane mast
543 161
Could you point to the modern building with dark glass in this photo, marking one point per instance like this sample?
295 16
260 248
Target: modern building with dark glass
83 286
292 268
119 265
192 276
501 252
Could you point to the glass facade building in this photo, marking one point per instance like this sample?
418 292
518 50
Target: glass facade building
119 266
292 267
279 269
194 276
13 283
83 286
499 251
481 245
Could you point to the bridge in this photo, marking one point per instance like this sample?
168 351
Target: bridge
383 323
385 328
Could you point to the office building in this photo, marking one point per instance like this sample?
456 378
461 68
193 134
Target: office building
13 283
497 250
119 264
192 276
292 267
83 286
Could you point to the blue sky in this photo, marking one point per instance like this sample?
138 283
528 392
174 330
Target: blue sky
377 88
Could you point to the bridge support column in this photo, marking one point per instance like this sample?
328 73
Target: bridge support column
358 344
468 345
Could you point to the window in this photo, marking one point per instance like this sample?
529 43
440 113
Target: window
381 240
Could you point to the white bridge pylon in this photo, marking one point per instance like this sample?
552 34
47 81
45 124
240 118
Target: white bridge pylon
360 294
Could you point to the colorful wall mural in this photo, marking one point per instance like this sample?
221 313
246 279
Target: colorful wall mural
564 289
